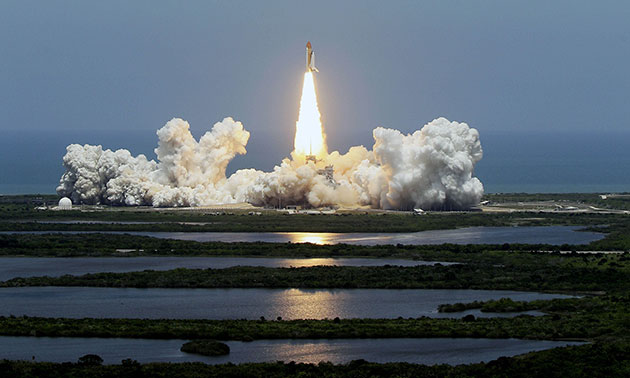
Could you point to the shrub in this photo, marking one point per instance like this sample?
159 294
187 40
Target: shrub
90 360
206 347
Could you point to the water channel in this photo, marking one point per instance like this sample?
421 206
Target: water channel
12 267
556 235
418 351
234 303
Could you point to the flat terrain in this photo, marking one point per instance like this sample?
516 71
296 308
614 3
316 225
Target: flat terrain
600 315
37 213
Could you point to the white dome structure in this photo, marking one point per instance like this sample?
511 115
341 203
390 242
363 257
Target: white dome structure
65 204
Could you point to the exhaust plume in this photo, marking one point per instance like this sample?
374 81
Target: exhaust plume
429 169
309 135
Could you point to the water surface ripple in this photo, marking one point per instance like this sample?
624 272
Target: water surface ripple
419 351
235 303
556 235
12 267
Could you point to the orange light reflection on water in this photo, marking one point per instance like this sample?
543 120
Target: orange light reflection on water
311 304
319 238
311 261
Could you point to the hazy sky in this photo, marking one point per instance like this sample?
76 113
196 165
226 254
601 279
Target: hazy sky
500 66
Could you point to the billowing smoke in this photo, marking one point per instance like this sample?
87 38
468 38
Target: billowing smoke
429 169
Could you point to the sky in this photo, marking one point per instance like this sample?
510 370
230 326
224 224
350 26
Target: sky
113 72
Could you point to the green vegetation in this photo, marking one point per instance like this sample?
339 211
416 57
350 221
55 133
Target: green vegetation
484 270
28 200
590 318
615 201
14 210
602 316
102 244
602 319
509 305
593 361
206 348
90 360
75 245
616 228
273 221
20 213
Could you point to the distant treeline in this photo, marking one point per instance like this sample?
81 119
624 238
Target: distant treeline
621 201
100 244
272 221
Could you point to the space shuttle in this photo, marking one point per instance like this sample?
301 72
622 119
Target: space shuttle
310 58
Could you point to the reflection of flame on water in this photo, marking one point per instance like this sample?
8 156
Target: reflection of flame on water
310 304
319 238
305 262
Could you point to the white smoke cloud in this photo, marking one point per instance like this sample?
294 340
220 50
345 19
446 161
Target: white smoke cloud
429 169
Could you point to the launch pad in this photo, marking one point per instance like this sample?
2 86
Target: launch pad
328 172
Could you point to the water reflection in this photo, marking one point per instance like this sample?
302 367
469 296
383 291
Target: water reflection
418 351
311 304
300 263
94 302
469 235
472 235
11 267
319 238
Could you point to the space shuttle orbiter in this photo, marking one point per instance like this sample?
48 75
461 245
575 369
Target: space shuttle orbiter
310 58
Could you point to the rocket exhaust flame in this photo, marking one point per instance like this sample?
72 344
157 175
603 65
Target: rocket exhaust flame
309 134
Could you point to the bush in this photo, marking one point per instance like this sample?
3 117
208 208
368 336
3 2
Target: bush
90 360
206 348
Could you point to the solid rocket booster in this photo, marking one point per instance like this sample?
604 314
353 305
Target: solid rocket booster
310 58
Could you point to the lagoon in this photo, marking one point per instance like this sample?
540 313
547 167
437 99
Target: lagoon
417 351
555 235
237 303
12 267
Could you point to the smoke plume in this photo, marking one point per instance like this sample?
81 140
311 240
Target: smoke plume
429 169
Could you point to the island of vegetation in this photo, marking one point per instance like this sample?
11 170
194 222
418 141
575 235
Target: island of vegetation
206 348
488 270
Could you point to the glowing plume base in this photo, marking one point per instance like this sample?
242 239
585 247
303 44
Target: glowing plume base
309 134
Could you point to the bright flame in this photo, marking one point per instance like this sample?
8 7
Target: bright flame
309 135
